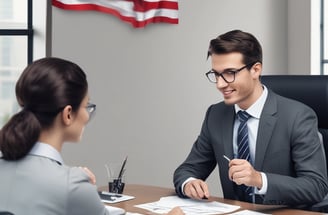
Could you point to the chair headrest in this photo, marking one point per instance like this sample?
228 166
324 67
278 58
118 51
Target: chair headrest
311 90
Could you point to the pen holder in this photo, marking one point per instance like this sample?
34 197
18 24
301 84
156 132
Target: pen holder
116 177
116 186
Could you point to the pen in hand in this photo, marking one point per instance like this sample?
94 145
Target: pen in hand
228 159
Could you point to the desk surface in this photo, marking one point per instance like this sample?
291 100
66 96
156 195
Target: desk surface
146 194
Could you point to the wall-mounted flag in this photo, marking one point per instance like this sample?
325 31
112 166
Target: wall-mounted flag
138 13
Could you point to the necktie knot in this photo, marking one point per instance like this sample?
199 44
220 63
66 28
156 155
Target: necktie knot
243 116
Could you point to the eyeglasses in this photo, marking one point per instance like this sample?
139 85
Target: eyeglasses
91 109
228 75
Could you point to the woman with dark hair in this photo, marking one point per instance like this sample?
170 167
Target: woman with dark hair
53 94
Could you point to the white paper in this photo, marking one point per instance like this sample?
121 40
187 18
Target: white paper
248 212
189 206
114 198
115 210
132 213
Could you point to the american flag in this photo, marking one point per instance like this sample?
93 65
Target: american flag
138 13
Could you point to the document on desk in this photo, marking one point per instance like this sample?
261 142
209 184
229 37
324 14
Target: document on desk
115 210
108 197
189 206
248 212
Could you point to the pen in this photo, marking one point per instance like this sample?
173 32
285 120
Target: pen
228 159
122 168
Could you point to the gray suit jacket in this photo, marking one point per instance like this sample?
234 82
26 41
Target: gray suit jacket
40 186
288 151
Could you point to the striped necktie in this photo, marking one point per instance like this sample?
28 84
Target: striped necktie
243 150
242 137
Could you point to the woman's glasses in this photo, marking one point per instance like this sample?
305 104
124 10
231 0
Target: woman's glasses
91 109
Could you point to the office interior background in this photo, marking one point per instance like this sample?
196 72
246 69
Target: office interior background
149 84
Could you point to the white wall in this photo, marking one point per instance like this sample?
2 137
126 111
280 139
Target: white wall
149 84
299 36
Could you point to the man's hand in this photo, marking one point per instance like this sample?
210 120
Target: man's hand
242 172
196 189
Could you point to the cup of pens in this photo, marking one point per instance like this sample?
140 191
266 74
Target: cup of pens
116 177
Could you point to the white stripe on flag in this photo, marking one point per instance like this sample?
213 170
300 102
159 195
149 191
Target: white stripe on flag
147 11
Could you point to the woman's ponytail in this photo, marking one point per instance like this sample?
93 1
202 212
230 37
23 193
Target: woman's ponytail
19 135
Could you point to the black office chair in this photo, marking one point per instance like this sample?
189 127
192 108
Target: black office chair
311 90
5 213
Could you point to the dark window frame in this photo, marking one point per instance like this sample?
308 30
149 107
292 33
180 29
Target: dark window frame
323 41
24 32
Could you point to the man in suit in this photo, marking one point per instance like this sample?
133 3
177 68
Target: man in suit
275 158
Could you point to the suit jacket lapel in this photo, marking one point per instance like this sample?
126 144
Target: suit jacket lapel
266 126
226 127
228 120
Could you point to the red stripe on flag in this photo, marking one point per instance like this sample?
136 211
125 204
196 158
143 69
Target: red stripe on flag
140 7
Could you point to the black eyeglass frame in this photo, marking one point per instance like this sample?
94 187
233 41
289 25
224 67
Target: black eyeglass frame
229 71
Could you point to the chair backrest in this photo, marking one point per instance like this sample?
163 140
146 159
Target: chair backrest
311 90
5 213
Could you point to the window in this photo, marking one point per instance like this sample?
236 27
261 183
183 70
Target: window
324 37
16 50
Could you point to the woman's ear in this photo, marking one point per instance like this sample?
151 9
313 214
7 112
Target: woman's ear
67 115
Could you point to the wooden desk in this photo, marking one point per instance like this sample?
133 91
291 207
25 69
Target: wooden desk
146 194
